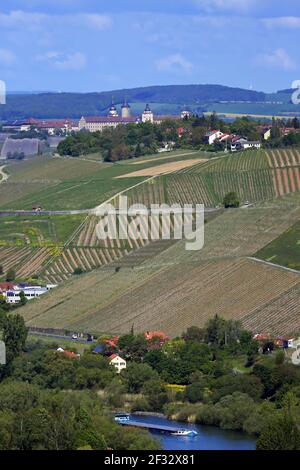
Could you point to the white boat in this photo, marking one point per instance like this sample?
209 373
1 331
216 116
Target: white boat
120 417
185 432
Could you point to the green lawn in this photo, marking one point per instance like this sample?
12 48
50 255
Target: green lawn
285 250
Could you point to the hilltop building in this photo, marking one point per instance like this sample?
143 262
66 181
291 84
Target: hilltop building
98 123
112 110
147 115
126 110
185 114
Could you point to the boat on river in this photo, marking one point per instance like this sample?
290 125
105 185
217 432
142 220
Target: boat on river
185 432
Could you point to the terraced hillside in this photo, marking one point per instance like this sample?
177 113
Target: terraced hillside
177 288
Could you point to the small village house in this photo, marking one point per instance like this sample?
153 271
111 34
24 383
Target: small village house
118 362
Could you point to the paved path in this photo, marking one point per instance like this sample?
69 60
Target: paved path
273 265
32 212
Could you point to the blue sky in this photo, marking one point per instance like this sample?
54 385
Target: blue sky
95 45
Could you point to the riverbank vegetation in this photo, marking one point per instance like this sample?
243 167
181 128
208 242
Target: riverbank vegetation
215 376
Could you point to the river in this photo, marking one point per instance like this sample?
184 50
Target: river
208 438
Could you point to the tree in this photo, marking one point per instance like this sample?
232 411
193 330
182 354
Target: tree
280 432
14 333
279 357
1 269
194 391
231 200
193 333
77 271
10 275
156 394
136 375
23 299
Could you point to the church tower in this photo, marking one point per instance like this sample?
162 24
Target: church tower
126 112
112 110
147 115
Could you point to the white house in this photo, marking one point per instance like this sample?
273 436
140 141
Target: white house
117 362
244 144
212 136
31 292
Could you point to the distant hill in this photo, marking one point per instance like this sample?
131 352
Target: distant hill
74 105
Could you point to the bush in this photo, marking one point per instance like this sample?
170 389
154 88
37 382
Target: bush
231 200
78 271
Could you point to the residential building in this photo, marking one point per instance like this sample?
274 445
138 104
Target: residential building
53 126
6 286
13 294
118 362
69 354
244 144
266 134
211 136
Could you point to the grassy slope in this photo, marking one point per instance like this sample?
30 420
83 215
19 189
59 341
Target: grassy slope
285 250
32 229
178 288
67 183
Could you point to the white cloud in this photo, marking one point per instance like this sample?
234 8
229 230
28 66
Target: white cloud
97 21
75 61
237 5
278 58
7 57
283 21
173 61
20 18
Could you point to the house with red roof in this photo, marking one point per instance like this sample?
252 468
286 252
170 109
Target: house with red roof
69 354
118 362
6 286
156 337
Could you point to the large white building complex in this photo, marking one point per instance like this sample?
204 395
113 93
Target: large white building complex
98 123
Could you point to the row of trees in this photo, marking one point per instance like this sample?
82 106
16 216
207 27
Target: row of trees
134 140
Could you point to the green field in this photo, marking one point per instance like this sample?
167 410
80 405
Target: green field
241 161
69 183
37 230
285 250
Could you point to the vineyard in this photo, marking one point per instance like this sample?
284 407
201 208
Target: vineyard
210 188
167 299
163 286
26 261
279 317
243 161
283 158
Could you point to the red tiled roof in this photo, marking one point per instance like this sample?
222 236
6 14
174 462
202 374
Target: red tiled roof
106 119
71 354
156 334
113 356
4 286
56 123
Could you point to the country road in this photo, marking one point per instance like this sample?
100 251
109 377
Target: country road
37 213
48 335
